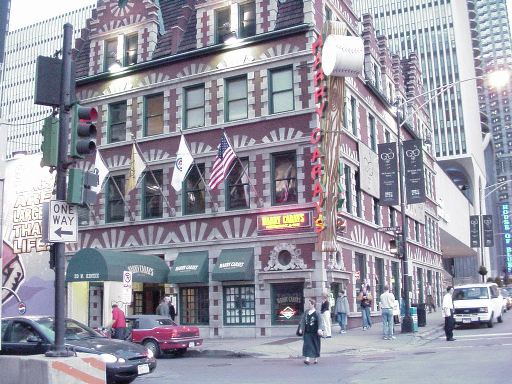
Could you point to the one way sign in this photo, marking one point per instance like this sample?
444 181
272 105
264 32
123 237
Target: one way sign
61 221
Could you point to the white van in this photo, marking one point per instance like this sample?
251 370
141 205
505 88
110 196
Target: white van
477 303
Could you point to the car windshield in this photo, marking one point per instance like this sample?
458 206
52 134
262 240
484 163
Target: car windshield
470 293
74 330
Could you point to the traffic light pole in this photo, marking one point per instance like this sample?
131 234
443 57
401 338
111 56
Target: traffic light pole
407 326
58 248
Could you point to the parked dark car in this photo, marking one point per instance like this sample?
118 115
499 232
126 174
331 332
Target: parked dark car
32 335
160 334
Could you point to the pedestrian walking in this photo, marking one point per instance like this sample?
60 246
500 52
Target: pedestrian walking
341 309
365 301
449 321
387 300
118 324
163 307
430 299
325 310
172 310
311 328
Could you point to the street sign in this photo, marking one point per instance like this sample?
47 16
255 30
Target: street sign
390 229
62 222
127 287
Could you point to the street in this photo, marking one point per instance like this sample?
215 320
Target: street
478 355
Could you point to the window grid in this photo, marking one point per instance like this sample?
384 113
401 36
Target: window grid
281 90
152 195
153 115
284 176
239 305
117 122
194 107
237 186
114 210
194 191
194 306
236 98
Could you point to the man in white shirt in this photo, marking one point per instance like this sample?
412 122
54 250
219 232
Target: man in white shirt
449 321
387 301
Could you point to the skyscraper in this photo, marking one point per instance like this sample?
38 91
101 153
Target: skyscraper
22 46
495 53
442 35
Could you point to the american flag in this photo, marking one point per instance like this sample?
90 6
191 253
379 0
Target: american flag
225 157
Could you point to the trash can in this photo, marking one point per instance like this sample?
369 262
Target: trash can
414 315
422 315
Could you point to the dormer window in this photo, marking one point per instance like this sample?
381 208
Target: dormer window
130 50
237 21
120 52
247 17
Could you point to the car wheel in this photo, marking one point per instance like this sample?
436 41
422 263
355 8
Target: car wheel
490 323
500 318
180 351
153 347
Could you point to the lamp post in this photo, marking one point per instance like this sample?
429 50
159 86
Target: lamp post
407 324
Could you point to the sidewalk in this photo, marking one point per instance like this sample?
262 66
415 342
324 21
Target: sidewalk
354 342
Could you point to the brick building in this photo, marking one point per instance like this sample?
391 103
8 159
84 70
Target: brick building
243 256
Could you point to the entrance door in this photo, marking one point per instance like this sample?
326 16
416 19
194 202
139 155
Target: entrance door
152 295
95 305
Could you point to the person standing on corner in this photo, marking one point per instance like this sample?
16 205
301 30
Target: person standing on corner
449 321
326 315
118 323
430 299
163 307
387 300
311 328
341 310
365 300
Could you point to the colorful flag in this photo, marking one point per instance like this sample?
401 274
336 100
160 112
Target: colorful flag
137 166
101 169
184 160
225 157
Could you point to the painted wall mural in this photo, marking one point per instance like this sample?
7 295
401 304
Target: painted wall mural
25 270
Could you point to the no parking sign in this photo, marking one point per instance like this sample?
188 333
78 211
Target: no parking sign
127 287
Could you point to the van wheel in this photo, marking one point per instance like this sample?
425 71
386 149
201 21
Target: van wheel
490 323
500 318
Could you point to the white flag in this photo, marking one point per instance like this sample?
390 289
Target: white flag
183 162
101 169
137 166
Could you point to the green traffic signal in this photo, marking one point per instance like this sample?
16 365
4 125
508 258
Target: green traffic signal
83 131
50 143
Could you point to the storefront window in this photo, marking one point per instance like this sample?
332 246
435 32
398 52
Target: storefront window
194 306
287 303
239 305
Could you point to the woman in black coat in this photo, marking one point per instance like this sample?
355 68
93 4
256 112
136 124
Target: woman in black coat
312 328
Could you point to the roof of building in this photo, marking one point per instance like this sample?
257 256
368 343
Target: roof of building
178 13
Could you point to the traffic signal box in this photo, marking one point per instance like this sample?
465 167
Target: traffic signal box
83 131
50 144
79 186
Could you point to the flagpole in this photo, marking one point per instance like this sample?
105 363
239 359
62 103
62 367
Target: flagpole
206 188
258 198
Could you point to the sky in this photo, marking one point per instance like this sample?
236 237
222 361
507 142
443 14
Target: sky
26 12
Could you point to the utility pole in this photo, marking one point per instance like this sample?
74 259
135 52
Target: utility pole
58 248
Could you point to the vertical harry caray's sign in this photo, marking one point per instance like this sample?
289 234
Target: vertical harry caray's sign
474 231
388 170
414 176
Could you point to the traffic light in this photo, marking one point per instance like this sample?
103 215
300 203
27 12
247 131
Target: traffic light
50 144
79 187
83 131
395 246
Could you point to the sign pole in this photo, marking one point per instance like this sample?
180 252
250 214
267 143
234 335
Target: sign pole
58 248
